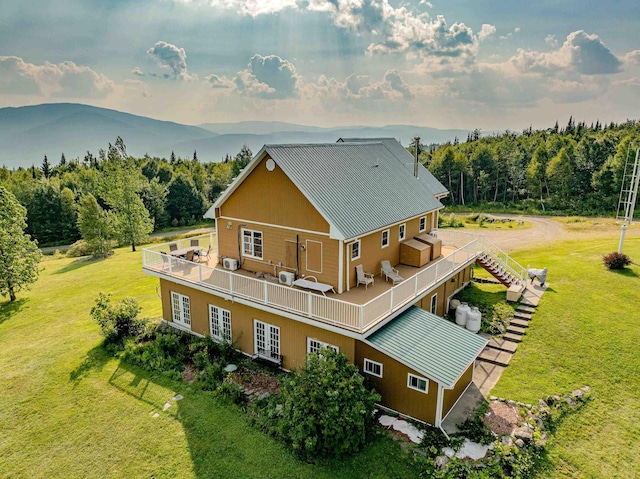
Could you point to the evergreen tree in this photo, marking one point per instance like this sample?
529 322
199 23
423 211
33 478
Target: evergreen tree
46 167
184 202
19 254
241 160
63 160
173 157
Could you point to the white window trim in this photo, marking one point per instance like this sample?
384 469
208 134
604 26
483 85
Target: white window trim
402 231
181 309
382 238
422 228
269 349
252 254
321 344
224 332
434 304
419 378
373 363
353 258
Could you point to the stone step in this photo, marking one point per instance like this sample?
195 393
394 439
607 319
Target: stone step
526 309
520 315
513 337
516 330
503 345
495 356
523 323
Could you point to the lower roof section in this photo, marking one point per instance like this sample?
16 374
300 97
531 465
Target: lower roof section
438 349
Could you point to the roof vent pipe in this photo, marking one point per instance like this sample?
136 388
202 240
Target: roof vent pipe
415 162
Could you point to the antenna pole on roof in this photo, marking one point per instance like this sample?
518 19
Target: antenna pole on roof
415 163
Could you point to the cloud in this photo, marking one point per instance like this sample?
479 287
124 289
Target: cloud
268 77
551 40
171 57
65 79
251 8
360 89
396 83
215 81
581 53
136 71
632 58
486 31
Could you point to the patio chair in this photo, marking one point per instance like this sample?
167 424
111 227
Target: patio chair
195 242
390 273
205 254
173 246
189 256
363 278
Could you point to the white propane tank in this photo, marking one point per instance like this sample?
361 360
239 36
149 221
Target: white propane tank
461 314
474 319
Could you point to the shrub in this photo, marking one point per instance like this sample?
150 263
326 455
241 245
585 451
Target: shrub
210 377
616 260
79 248
117 321
324 410
475 429
232 391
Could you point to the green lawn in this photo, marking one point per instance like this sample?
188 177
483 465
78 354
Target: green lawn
68 410
586 331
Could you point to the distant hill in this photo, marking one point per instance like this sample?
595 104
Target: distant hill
30 132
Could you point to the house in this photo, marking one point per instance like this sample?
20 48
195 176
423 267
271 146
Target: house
314 213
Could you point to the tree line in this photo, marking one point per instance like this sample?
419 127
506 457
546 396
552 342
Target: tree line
114 196
577 169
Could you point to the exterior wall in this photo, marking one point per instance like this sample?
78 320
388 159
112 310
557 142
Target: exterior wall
393 385
372 252
293 334
279 247
270 197
452 395
445 290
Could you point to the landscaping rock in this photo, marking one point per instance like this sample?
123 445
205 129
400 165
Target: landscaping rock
570 401
178 397
523 433
543 403
441 462
520 443
507 440
385 420
586 389
469 450
578 394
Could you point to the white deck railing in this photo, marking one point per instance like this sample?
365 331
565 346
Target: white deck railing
355 317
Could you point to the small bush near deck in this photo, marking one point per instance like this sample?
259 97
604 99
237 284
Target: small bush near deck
324 410
616 260
117 321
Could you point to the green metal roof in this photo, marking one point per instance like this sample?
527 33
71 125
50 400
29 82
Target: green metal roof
433 346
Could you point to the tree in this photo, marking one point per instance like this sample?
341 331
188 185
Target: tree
184 201
118 321
95 226
63 160
46 167
326 410
19 254
241 160
121 188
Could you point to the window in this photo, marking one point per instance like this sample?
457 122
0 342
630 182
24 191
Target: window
267 340
385 238
402 231
434 303
219 323
423 224
313 346
417 383
355 250
180 309
372 367
252 243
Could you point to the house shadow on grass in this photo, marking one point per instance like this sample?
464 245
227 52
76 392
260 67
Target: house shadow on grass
9 308
95 360
222 443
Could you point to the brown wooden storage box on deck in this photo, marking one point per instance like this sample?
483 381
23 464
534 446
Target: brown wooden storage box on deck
435 243
414 253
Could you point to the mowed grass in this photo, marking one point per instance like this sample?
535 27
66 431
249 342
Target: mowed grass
586 331
69 410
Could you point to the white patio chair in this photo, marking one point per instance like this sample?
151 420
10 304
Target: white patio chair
390 273
363 278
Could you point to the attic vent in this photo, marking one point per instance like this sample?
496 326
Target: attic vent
270 164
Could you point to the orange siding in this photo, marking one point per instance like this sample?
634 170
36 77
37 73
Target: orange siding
452 395
274 249
393 385
293 334
270 197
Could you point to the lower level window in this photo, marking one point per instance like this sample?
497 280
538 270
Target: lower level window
314 345
417 383
180 309
267 340
434 303
373 368
219 323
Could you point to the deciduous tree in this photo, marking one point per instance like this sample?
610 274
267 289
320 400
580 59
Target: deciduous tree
95 226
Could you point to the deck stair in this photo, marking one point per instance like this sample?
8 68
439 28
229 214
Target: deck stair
522 323
497 269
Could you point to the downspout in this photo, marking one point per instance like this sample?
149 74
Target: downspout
439 400
298 256
340 265
240 243
348 265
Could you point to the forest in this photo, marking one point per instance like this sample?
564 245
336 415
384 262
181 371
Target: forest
573 170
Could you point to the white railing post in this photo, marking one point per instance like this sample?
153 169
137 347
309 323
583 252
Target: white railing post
266 295
230 283
361 318
170 264
415 285
199 273
310 304
391 300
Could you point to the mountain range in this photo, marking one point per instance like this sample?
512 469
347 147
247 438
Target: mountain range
29 133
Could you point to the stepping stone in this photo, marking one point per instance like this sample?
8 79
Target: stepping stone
156 414
516 330
520 315
523 323
526 309
166 406
503 345
494 356
513 337
177 397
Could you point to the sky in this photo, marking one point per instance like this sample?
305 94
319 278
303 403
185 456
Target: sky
488 64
